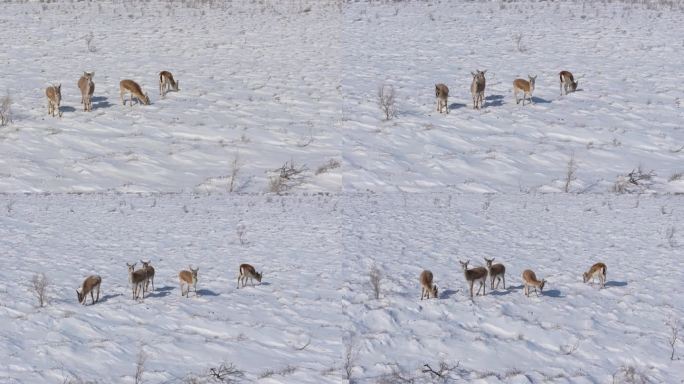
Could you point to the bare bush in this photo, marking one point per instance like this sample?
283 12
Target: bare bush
234 172
386 99
225 373
673 324
241 231
331 164
140 366
634 182
5 110
678 175
670 236
629 375
570 173
517 40
375 277
89 42
39 285
443 372
350 355
287 177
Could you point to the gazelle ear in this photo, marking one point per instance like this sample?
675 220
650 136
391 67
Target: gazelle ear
485 71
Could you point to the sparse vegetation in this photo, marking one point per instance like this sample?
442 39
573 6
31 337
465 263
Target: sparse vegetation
331 164
375 277
5 110
386 99
39 285
570 173
635 181
350 355
629 375
287 177
673 325
90 43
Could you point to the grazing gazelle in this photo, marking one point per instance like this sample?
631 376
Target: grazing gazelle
167 83
188 278
147 267
87 87
428 289
524 86
138 280
477 88
90 284
442 95
598 269
496 271
134 89
530 280
567 82
478 274
54 96
248 272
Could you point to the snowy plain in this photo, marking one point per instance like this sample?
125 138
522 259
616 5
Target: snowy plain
267 82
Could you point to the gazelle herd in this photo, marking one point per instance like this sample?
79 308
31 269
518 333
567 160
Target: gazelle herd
141 279
497 272
126 86
526 87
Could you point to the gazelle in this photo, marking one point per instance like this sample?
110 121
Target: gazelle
167 83
54 96
567 82
477 88
428 288
138 279
598 269
530 280
188 278
442 95
150 273
90 284
134 89
87 87
248 272
478 274
524 86
496 271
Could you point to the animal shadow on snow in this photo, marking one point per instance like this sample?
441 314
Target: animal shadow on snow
616 283
66 108
456 106
550 293
161 292
107 297
502 292
447 293
493 101
206 292
100 102
539 100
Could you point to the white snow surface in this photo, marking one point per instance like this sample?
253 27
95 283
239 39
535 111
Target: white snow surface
266 82
315 298
277 81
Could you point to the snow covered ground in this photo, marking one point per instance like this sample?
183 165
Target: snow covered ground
315 299
294 81
264 83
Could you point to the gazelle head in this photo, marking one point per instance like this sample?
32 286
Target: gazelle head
89 75
532 80
585 276
541 286
58 93
464 264
479 76
434 291
175 86
489 262
257 276
145 264
573 86
436 90
80 295
146 99
193 272
131 267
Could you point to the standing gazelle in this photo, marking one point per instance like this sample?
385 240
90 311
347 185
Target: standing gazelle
87 87
54 96
530 280
478 274
248 272
149 269
598 269
524 86
138 280
134 89
496 271
188 278
90 284
442 95
428 289
167 83
477 88
567 82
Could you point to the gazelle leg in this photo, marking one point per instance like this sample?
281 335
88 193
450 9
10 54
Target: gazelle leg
471 288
